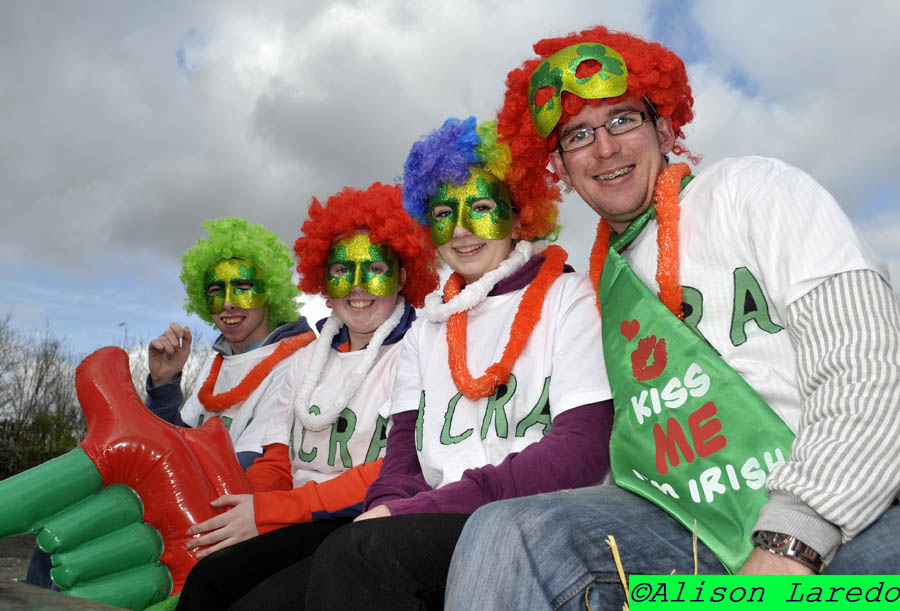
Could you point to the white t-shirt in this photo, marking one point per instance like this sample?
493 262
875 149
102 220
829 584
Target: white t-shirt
245 420
357 436
560 368
755 234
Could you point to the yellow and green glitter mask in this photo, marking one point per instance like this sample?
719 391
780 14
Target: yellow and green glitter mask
356 254
493 225
229 275
558 73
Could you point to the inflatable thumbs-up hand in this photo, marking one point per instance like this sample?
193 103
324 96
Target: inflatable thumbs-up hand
114 512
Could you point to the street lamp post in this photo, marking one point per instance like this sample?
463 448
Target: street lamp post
124 323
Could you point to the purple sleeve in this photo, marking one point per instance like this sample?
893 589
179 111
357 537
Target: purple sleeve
573 454
401 475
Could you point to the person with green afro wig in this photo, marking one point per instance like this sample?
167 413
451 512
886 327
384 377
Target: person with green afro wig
239 280
234 238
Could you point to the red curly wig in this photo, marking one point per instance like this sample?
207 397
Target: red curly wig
654 72
379 211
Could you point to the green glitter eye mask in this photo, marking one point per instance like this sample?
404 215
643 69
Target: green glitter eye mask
374 267
452 206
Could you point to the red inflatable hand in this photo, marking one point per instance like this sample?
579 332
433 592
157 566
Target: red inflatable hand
176 471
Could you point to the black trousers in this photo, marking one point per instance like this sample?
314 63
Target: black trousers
395 563
221 579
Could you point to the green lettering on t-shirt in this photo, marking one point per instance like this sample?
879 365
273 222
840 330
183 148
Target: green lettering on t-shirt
539 414
291 453
302 454
379 439
749 304
446 437
419 418
341 431
496 409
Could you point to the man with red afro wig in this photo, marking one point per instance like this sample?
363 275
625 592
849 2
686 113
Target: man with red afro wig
751 341
372 263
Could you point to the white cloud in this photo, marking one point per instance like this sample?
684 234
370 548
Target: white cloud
127 125
128 128
823 92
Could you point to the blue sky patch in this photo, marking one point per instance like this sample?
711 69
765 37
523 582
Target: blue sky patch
88 309
189 50
672 25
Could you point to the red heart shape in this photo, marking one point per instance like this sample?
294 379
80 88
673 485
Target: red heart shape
630 328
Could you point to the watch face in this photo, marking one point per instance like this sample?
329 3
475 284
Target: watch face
774 541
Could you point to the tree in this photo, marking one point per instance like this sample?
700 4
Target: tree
40 417
39 413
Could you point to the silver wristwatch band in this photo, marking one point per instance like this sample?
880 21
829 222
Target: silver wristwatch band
790 546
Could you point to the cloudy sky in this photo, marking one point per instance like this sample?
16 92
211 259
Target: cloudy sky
126 124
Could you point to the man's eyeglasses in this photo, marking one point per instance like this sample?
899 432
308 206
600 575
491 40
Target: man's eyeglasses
615 126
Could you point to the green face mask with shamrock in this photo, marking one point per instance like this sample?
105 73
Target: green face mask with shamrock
558 73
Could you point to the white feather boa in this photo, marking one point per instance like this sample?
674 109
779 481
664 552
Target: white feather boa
303 391
473 294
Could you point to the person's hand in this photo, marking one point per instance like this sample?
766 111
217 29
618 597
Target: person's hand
762 562
235 525
177 473
168 353
381 511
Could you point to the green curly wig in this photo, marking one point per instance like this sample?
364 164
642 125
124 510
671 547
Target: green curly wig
232 237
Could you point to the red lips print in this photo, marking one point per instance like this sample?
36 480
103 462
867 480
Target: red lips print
648 347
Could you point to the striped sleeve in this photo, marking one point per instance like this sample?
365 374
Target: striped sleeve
843 471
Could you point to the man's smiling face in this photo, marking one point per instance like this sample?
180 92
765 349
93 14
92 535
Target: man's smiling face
615 175
236 295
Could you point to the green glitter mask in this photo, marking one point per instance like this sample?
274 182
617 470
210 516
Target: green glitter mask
557 73
354 258
237 281
489 225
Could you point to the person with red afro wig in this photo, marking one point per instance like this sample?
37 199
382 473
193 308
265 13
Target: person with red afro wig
655 74
748 272
379 211
372 262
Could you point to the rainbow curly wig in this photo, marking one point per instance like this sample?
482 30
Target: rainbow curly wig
444 156
232 237
379 211
654 72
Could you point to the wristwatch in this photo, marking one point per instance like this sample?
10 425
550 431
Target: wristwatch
790 546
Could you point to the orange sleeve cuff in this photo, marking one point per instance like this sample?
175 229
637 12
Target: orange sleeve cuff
277 508
272 470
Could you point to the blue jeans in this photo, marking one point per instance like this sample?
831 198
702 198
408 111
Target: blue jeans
39 569
549 551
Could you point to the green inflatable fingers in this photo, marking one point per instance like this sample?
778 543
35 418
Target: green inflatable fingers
100 547
30 497
108 510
